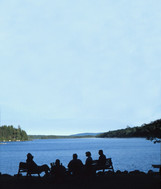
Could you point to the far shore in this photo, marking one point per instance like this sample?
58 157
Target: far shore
44 137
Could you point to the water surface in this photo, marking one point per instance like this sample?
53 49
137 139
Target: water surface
127 154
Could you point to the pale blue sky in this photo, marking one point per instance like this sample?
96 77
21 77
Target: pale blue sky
70 66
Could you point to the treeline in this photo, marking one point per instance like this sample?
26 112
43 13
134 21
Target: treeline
9 133
32 137
150 131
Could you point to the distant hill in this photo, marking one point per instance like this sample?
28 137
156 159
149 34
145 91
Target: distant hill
32 137
150 131
86 134
81 135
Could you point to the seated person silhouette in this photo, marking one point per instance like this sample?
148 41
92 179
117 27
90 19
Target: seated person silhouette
75 166
58 170
31 167
89 160
89 170
102 158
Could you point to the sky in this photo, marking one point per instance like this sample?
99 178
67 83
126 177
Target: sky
80 66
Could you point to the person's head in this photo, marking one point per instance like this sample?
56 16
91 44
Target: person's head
29 156
88 154
75 156
57 162
100 152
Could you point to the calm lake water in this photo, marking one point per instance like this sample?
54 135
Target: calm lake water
127 154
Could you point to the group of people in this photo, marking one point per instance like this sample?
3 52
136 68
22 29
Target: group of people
75 166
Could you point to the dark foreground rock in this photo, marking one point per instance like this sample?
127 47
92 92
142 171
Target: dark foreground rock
110 181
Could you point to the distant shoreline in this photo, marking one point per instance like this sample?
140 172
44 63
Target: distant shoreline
150 131
44 137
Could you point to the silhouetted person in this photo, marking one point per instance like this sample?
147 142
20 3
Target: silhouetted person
75 165
88 160
33 167
58 170
102 158
89 170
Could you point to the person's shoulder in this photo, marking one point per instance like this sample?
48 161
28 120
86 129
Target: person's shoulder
71 162
80 161
62 167
89 159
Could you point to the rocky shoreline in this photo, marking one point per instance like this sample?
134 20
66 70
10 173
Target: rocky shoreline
121 180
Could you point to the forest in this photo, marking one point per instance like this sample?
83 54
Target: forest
9 133
150 131
32 137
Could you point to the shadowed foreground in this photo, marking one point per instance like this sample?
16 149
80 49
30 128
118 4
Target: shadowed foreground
121 181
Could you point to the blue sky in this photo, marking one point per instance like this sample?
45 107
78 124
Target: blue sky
79 66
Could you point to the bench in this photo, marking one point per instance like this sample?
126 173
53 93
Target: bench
158 166
108 165
23 169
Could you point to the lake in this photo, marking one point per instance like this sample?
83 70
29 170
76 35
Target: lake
127 154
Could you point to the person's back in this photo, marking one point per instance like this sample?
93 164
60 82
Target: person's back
75 165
